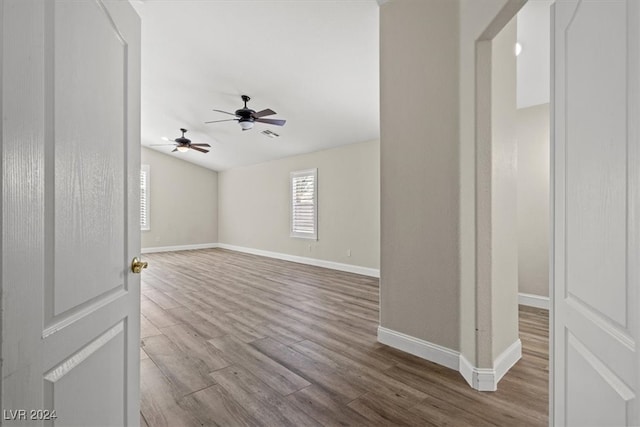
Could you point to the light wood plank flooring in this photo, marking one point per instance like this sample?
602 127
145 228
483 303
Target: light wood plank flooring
234 339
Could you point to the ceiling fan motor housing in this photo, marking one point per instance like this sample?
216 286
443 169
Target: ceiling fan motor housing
182 140
245 113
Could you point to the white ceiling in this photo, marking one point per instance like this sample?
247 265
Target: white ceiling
314 62
534 26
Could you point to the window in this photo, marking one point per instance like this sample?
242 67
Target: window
144 197
304 204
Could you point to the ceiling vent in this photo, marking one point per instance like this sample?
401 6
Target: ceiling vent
269 133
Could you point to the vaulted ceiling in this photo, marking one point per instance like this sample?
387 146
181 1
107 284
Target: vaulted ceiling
314 62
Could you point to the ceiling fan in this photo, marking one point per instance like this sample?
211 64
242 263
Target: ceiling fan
247 117
183 144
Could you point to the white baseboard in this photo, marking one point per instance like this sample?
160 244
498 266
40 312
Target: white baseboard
423 349
466 370
486 379
507 359
365 271
179 248
533 300
481 379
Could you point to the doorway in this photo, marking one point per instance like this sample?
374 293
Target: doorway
512 236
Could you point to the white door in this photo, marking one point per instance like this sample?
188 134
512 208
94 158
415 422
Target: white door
70 212
596 214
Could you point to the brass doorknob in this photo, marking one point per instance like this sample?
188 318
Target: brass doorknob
137 265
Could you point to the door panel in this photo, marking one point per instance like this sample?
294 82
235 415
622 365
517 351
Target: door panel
70 211
97 373
596 181
595 395
596 154
89 60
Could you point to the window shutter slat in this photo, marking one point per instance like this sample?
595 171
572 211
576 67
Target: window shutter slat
144 197
304 220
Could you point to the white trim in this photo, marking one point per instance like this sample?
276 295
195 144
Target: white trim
466 370
486 379
365 271
507 359
179 248
424 349
481 379
531 300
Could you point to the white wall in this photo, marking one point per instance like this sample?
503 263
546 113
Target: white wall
504 240
477 22
534 62
533 200
183 202
254 206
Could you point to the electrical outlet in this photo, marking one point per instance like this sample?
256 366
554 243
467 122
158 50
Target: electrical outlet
348 252
309 247
157 238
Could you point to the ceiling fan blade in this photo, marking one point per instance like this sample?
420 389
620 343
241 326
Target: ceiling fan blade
226 112
226 120
277 122
263 113
159 145
198 149
175 149
200 145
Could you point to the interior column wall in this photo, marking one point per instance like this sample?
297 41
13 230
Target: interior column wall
429 188
419 287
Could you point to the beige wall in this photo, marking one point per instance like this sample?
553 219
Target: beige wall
504 230
183 202
428 174
420 281
533 200
254 206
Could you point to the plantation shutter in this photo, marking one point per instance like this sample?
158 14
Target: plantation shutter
304 204
144 197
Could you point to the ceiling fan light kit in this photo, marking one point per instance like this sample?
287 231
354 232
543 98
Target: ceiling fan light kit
246 124
247 117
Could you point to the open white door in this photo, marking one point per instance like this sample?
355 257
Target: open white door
596 214
70 212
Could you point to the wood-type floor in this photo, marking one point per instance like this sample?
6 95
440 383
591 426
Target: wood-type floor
234 339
